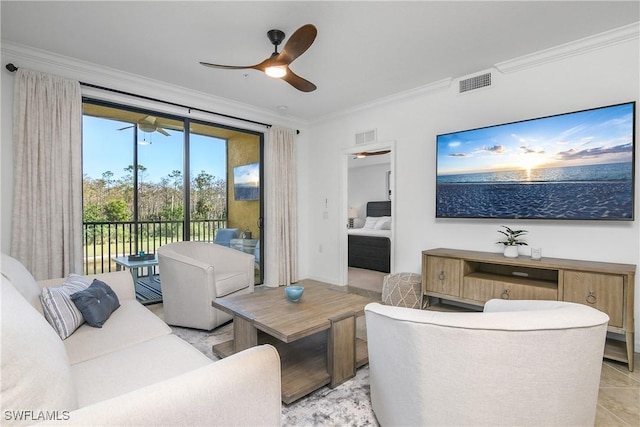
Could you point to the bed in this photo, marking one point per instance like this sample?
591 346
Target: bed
370 246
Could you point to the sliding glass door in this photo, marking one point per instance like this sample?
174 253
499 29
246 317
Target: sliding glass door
151 179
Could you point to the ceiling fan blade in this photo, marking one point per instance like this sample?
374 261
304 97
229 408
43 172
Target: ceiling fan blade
370 153
298 82
298 43
228 67
273 60
162 131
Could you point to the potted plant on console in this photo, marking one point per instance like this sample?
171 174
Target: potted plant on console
512 241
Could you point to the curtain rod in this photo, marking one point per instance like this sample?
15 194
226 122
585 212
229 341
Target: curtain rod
12 68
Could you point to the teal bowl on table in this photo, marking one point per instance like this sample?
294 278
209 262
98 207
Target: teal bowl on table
293 293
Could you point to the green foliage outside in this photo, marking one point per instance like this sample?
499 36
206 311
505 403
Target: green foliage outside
110 199
108 210
116 210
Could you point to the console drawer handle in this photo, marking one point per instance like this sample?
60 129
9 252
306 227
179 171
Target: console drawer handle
505 294
591 298
441 275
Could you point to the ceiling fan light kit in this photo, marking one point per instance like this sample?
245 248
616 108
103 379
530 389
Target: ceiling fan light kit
145 127
276 72
277 65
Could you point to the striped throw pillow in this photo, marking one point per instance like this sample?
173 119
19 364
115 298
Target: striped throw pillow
59 309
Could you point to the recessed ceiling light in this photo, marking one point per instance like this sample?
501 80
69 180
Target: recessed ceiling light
283 108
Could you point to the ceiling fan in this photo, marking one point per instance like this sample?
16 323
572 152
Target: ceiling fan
148 124
277 65
364 154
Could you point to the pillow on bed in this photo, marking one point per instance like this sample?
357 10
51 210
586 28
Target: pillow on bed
371 222
383 223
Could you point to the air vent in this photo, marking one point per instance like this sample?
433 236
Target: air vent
366 136
483 80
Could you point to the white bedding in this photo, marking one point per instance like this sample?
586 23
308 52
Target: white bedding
369 232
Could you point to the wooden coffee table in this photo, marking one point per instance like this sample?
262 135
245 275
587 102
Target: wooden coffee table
316 337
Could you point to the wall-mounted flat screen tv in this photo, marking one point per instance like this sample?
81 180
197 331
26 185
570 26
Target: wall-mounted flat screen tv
246 182
576 166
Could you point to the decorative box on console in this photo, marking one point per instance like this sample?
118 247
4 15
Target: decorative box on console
143 257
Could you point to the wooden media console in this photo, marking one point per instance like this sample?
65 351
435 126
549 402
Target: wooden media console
475 277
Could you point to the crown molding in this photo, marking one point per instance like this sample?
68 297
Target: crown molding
577 47
556 53
87 72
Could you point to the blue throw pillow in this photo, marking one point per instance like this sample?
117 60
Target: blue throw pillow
96 303
224 236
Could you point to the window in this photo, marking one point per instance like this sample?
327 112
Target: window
151 179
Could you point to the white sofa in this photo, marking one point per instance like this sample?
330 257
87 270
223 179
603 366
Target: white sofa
194 274
519 363
132 371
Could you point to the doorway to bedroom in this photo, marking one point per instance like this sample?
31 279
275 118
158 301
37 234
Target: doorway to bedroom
369 202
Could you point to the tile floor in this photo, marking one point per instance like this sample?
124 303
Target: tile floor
619 396
366 282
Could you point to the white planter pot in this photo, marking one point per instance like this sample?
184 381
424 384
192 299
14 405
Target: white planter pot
511 251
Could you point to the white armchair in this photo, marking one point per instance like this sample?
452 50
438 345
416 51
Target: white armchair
518 363
193 274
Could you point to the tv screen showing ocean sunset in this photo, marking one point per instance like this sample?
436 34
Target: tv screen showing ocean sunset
577 165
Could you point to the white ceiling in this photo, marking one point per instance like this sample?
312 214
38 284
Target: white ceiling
364 50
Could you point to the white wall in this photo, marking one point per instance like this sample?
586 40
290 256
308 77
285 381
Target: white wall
367 183
585 79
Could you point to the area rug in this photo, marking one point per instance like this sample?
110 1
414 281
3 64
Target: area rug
346 405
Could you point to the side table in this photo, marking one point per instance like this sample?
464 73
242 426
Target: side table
244 245
133 266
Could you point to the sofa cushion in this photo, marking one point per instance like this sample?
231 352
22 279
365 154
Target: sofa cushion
36 375
134 367
130 324
22 280
59 309
96 303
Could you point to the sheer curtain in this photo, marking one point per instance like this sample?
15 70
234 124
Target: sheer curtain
47 199
281 227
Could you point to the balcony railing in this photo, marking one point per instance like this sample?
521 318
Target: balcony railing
105 240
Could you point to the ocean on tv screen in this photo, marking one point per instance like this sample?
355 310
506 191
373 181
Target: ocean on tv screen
586 192
577 165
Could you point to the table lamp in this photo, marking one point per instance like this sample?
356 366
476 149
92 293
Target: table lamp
353 214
